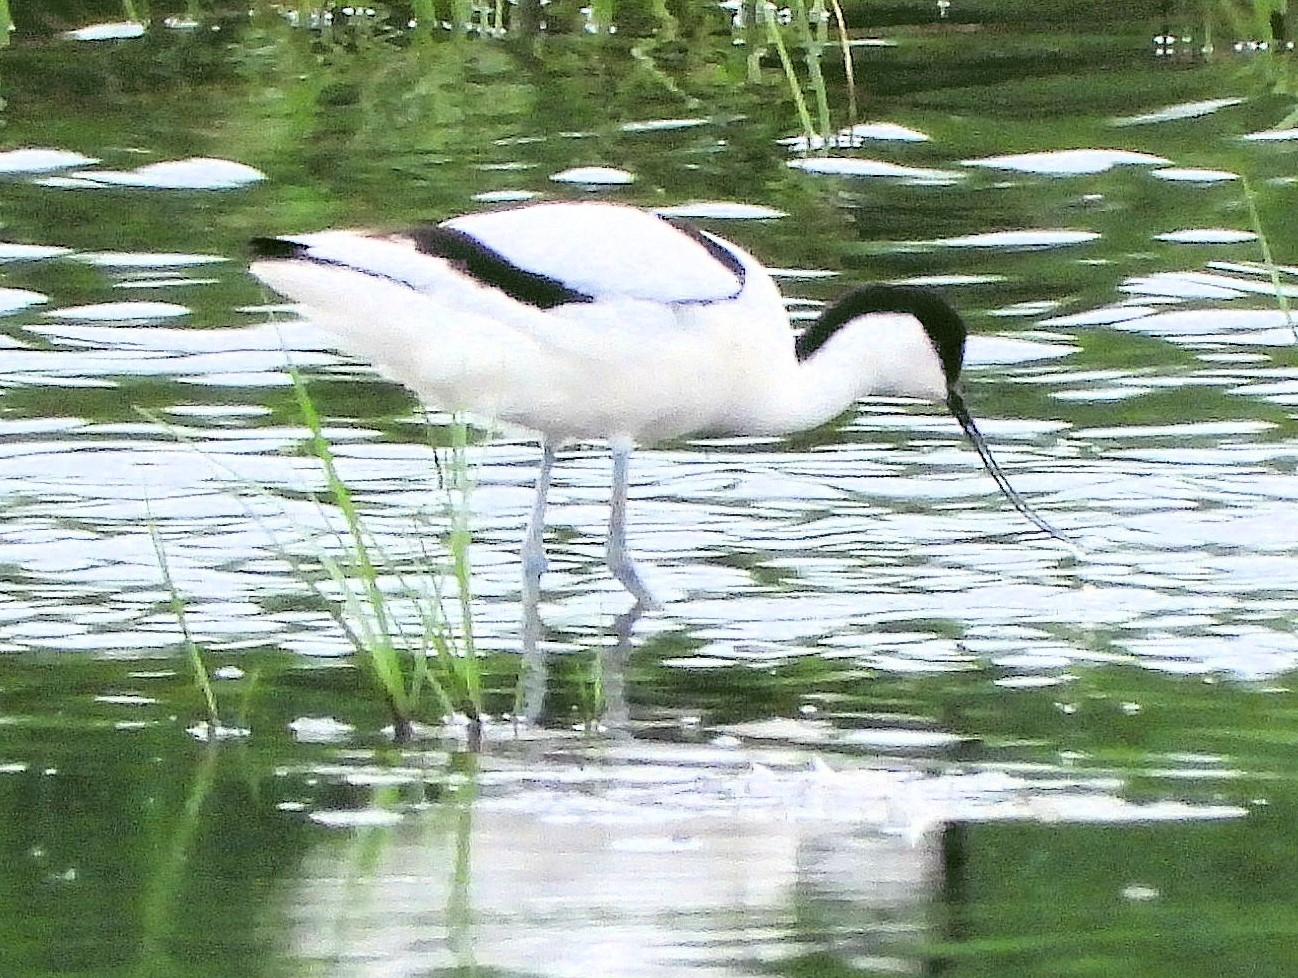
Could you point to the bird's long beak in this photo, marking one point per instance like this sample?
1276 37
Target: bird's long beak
955 401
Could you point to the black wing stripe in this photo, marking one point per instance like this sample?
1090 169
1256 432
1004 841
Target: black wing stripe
464 251
492 268
714 248
285 249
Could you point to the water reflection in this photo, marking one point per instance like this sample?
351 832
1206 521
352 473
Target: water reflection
607 887
1184 110
41 160
857 628
857 166
1068 162
546 854
190 174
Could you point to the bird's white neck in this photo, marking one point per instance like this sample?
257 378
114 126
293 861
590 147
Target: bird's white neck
879 354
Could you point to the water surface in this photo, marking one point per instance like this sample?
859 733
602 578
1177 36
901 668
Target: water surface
881 725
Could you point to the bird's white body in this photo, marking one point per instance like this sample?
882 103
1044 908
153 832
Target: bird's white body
673 343
599 321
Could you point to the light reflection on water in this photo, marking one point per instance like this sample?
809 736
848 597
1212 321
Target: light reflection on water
861 534
686 860
1131 367
883 526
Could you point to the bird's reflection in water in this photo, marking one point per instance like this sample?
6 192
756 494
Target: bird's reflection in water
613 655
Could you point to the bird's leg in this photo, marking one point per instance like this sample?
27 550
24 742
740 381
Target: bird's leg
533 567
615 554
534 543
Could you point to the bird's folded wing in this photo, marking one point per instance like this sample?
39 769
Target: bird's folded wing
600 251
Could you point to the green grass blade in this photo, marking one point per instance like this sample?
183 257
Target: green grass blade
201 678
813 45
774 36
849 72
357 588
1268 259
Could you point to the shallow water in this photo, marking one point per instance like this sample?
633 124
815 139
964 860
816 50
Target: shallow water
881 725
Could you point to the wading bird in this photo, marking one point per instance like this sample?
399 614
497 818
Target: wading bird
592 320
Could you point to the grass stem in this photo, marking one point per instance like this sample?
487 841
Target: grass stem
849 72
201 678
1268 259
791 76
813 45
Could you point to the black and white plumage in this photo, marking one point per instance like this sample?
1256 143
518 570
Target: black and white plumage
592 320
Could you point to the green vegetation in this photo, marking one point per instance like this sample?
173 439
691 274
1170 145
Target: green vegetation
813 46
434 656
398 652
1273 270
1263 29
201 678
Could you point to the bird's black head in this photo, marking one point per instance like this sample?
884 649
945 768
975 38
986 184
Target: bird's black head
946 331
943 325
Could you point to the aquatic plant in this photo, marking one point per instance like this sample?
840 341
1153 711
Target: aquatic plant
177 601
776 39
400 656
1268 257
806 28
399 659
797 35
135 11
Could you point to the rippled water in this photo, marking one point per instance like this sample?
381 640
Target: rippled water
881 724
878 521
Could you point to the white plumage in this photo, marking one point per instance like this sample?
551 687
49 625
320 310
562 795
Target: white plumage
600 321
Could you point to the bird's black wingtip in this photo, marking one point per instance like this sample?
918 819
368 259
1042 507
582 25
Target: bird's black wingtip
268 247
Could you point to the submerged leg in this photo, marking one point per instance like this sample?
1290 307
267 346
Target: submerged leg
534 543
618 560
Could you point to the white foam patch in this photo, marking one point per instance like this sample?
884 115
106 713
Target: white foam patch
1182 110
25 252
505 196
145 259
1102 316
367 818
1206 236
120 311
723 210
662 125
1205 322
1194 175
1271 136
856 136
12 300
111 31
1202 285
1008 349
